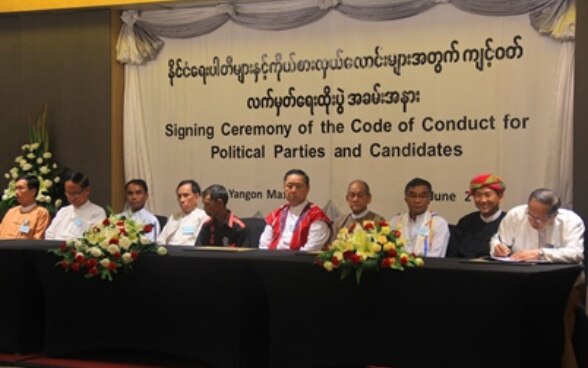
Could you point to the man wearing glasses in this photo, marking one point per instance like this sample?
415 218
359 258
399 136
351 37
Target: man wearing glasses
540 230
71 221
426 233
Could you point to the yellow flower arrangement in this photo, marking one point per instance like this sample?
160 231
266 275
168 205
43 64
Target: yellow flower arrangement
369 246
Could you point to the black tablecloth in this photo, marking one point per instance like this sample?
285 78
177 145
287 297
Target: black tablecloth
447 314
277 309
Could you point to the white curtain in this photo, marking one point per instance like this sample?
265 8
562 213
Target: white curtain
139 41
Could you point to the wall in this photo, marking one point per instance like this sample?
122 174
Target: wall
62 59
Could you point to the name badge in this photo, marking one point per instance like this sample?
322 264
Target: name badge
24 228
188 230
424 231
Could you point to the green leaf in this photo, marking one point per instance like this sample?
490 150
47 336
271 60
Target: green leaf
358 273
345 272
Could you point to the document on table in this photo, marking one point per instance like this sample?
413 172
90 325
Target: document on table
510 260
504 260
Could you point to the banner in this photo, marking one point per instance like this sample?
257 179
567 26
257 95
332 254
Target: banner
444 96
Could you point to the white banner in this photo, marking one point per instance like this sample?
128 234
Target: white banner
444 95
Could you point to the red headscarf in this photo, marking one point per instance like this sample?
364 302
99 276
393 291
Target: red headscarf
487 181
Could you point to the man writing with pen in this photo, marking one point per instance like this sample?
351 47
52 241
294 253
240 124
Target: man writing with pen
542 231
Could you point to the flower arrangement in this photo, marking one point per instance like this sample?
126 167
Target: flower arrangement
114 243
369 246
36 159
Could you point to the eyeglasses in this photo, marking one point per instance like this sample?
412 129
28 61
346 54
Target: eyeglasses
74 194
539 219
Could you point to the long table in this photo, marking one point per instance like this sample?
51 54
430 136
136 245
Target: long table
277 309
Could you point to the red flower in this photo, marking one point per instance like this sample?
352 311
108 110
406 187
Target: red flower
106 222
120 223
386 262
116 255
147 228
383 223
122 231
392 253
135 255
335 261
90 263
348 254
112 266
369 226
403 259
63 247
79 257
396 233
356 259
64 264
93 271
75 266
113 241
351 227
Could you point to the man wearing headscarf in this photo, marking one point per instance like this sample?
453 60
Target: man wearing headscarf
471 237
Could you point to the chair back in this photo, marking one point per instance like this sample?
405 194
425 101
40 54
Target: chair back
256 226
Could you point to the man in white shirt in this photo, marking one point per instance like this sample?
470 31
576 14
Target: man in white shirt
541 230
298 224
426 233
182 228
137 196
71 221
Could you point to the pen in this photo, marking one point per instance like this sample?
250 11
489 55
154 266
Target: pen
509 246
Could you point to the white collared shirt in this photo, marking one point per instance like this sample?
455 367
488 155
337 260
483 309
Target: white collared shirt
71 222
182 229
415 232
563 239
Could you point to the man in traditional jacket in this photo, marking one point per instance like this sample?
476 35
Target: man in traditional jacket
298 224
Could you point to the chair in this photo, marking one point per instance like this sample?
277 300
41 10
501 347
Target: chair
256 226
162 220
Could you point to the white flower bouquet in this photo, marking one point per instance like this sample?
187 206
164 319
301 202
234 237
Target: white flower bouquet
36 159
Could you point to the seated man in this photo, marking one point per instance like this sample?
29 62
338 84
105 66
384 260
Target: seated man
71 221
541 230
137 195
223 228
473 231
27 220
358 197
426 234
182 228
298 224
